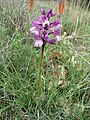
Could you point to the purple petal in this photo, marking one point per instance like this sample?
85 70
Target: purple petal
51 25
51 13
37 25
34 30
52 41
56 22
40 20
58 38
38 43
43 11
57 32
34 23
51 32
44 18
59 26
46 37
44 32
42 35
37 37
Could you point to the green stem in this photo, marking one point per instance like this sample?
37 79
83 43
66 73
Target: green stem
39 85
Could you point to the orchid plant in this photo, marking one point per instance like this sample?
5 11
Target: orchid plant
45 31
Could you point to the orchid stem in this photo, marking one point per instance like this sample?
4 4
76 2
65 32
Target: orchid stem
39 85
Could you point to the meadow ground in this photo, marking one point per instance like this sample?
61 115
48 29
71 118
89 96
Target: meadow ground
66 66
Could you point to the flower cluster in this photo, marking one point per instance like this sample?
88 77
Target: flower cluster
45 31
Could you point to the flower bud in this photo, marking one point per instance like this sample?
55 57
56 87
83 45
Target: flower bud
43 11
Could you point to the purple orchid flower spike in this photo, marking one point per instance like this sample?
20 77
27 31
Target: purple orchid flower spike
45 31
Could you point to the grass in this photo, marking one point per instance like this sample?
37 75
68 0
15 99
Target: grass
66 66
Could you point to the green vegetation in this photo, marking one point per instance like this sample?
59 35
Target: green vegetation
66 73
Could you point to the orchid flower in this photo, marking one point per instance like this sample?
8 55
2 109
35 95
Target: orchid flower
45 31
